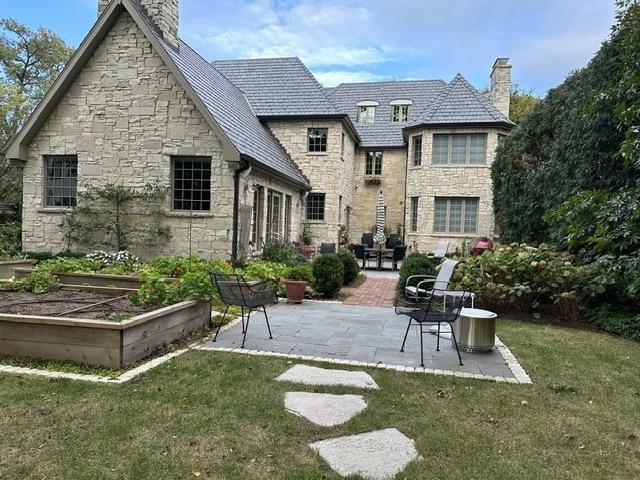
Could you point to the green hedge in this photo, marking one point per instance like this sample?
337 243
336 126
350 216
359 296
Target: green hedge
350 265
415 264
328 274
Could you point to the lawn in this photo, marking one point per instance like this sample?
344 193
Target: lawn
221 416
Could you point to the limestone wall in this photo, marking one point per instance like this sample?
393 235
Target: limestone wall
428 181
124 116
366 194
330 172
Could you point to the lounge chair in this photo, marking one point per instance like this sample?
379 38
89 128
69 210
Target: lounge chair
441 250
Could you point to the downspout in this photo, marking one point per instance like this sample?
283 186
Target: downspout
244 166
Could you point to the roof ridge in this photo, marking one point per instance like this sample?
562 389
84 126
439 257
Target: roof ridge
485 102
415 80
320 87
431 110
229 60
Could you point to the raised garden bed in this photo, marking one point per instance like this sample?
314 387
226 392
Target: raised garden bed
7 267
112 332
130 282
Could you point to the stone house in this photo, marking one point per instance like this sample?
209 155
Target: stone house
252 150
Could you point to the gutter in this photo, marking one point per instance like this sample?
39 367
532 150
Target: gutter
244 166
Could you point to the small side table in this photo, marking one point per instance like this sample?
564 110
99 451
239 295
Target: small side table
475 330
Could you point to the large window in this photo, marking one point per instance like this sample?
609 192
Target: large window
399 113
373 163
366 114
456 215
318 139
315 206
414 214
460 149
417 150
61 180
274 216
256 214
192 183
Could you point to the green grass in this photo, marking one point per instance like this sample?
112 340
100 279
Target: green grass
221 416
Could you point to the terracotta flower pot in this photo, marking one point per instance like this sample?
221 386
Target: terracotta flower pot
295 290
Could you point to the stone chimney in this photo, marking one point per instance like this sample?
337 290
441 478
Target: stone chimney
501 85
164 13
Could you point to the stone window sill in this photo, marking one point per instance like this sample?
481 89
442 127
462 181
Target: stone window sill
54 210
318 154
465 165
316 222
443 235
187 214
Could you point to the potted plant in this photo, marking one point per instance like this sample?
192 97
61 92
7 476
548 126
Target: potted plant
296 280
305 238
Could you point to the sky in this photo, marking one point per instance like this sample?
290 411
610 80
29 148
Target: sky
370 40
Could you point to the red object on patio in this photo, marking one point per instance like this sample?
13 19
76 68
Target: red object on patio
481 245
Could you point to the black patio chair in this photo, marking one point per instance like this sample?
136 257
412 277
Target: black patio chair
328 248
398 254
234 290
442 306
367 240
359 252
392 241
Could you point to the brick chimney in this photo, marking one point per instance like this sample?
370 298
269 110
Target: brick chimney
501 85
164 13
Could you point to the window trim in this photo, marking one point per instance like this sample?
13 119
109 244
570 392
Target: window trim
323 195
257 214
401 106
45 196
173 179
417 160
288 200
467 156
270 234
463 212
326 140
375 172
413 220
369 118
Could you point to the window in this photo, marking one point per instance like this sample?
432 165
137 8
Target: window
460 149
414 214
373 163
61 181
417 150
315 206
256 215
192 183
456 215
399 113
274 216
366 114
287 218
318 139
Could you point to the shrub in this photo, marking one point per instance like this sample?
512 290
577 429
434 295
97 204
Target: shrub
415 264
328 274
282 253
302 272
39 281
619 321
10 240
524 277
350 264
263 270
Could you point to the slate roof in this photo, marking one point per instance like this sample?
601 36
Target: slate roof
460 103
232 111
278 86
383 132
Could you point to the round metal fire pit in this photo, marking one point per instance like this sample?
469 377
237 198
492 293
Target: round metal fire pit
475 330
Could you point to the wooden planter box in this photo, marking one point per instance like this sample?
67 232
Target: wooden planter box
98 342
130 282
7 267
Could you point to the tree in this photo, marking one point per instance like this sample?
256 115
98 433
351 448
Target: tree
521 103
117 217
30 61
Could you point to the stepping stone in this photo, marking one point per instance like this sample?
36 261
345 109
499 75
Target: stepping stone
322 376
324 409
378 455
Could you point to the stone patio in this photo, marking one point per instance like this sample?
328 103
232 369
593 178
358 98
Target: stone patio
360 335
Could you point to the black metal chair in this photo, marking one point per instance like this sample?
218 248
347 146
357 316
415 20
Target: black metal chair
328 248
367 240
359 252
234 290
398 254
392 241
442 306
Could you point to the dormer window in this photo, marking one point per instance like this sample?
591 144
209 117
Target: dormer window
400 110
366 111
